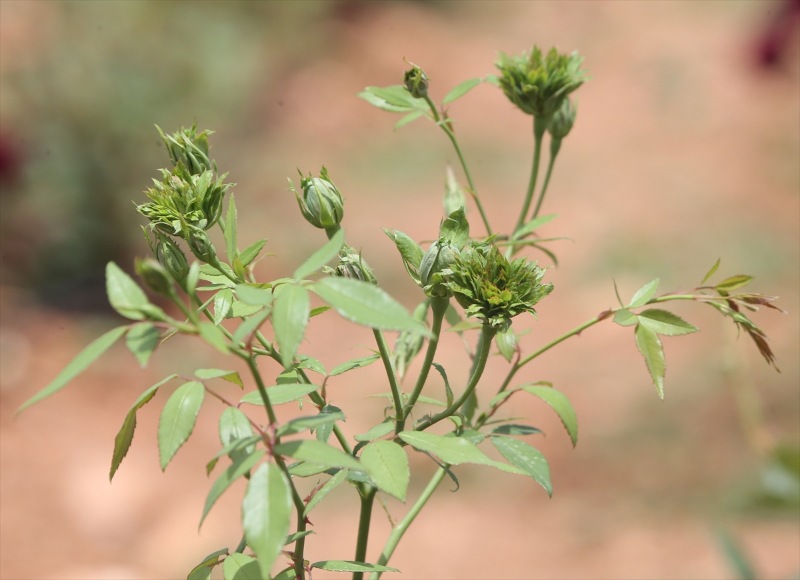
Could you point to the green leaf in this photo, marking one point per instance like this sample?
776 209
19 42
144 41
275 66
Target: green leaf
193 276
354 364
329 486
460 90
300 424
230 376
455 228
387 465
227 477
507 343
465 325
711 272
303 469
376 432
286 574
238 269
409 250
322 256
122 442
280 394
625 318
665 322
447 390
561 406
124 294
177 419
395 99
525 457
212 335
142 340
240 567
254 294
533 225
266 512
250 325
310 363
734 283
452 450
318 310
223 300
203 570
407 119
644 294
241 309
234 447
250 252
86 357
323 432
350 566
514 429
289 319
649 345
234 425
291 538
317 452
230 230
366 304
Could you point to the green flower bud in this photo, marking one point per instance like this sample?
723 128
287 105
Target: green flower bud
416 82
322 204
563 119
539 84
155 276
201 246
188 148
352 265
171 257
439 257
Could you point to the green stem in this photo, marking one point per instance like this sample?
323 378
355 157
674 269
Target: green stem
251 362
242 545
387 364
367 498
439 307
555 145
397 532
539 127
487 334
464 166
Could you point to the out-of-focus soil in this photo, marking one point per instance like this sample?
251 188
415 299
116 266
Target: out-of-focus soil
683 152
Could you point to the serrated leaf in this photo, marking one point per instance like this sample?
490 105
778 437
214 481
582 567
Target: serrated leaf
310 363
366 304
280 394
625 318
230 230
474 437
289 319
350 566
711 272
238 269
212 335
227 477
533 225
250 252
322 256
142 340
300 424
323 432
254 294
123 440
527 458
124 294
452 450
407 119
447 390
235 446
649 345
515 429
376 432
386 464
507 343
241 309
203 570
230 376
644 294
222 304
303 469
241 567
734 283
329 486
354 364
233 426
561 405
460 90
455 228
286 574
291 538
77 365
314 451
665 322
250 325
177 419
266 513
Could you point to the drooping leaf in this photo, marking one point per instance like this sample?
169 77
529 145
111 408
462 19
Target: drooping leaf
230 230
366 304
649 345
710 272
386 464
230 376
266 513
124 294
300 424
455 228
643 294
460 90
289 319
250 252
625 317
86 357
250 325
142 340
280 394
322 256
526 458
254 294
223 300
317 452
122 442
329 486
227 477
241 567
354 364
212 335
177 419
507 343
665 322
561 406
447 390
203 570
323 432
734 283
350 566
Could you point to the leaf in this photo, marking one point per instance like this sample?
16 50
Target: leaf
234 425
376 432
525 457
213 336
323 432
230 230
177 419
250 325
222 304
77 365
448 391
230 376
142 340
455 228
280 394
193 276
227 477
350 566
514 429
407 119
329 486
665 322
300 424
250 252
465 325
291 538
124 294
507 343
452 450
303 469
123 440
232 448
387 465
561 406
322 256
238 269
533 225
266 512
649 345
318 310
254 294
460 90
409 250
241 309
317 452
240 567
286 574
625 318
711 272
289 319
395 99
203 570
734 283
354 364
310 363
644 294
366 304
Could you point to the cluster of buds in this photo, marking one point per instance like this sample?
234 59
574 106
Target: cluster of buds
539 84
352 265
321 204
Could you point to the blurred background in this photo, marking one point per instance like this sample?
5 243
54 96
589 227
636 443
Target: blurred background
685 150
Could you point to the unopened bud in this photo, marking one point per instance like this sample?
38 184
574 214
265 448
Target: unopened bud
154 275
416 82
438 257
563 119
322 204
352 265
171 257
201 246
